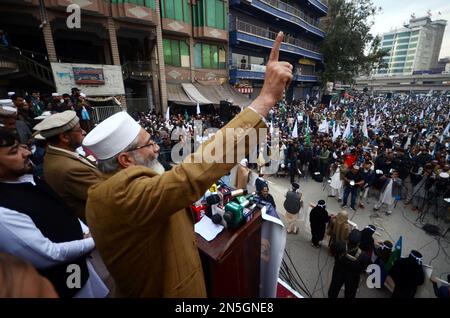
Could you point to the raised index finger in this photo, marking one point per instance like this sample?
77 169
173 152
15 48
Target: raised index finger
275 52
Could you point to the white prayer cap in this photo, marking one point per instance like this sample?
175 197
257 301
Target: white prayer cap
244 162
6 102
7 110
55 94
112 135
444 175
11 94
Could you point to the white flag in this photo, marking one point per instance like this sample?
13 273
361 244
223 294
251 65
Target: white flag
374 118
337 132
323 126
445 133
168 114
348 130
294 131
421 115
366 114
198 108
364 129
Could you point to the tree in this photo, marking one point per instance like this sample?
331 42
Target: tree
348 48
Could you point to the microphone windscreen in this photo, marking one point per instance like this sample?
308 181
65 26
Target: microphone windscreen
213 199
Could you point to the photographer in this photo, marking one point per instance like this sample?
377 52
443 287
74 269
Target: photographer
420 190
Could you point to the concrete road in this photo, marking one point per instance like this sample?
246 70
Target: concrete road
315 266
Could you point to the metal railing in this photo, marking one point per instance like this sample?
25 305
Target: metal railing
292 10
100 113
265 33
28 65
320 3
249 67
299 71
137 68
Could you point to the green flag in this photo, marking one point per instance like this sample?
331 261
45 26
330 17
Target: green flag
307 138
396 254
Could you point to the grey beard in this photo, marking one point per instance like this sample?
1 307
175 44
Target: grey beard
154 164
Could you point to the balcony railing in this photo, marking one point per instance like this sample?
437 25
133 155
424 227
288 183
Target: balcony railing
257 71
322 5
265 33
292 10
137 68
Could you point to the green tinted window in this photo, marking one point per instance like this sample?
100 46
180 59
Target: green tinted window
178 7
186 10
167 51
176 53
169 9
403 34
206 56
211 13
220 23
198 55
403 40
222 58
184 54
214 56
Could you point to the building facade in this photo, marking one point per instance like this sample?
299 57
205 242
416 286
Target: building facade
163 51
413 48
253 27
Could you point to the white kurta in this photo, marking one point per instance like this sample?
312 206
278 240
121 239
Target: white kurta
386 197
336 182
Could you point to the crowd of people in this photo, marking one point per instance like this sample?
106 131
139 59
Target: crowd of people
110 189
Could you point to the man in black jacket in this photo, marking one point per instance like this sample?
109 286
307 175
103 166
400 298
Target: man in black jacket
350 262
407 274
318 219
292 205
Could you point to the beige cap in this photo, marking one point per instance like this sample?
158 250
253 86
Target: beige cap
57 123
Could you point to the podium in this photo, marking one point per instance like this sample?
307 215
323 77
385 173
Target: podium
231 262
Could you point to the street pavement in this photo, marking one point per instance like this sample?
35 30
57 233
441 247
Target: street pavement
315 265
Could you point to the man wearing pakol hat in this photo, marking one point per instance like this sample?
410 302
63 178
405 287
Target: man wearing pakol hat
318 219
138 216
38 227
67 172
292 204
8 120
407 274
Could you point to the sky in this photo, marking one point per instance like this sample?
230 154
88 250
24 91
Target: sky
396 12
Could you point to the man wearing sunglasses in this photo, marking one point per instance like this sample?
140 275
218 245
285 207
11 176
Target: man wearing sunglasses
138 216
